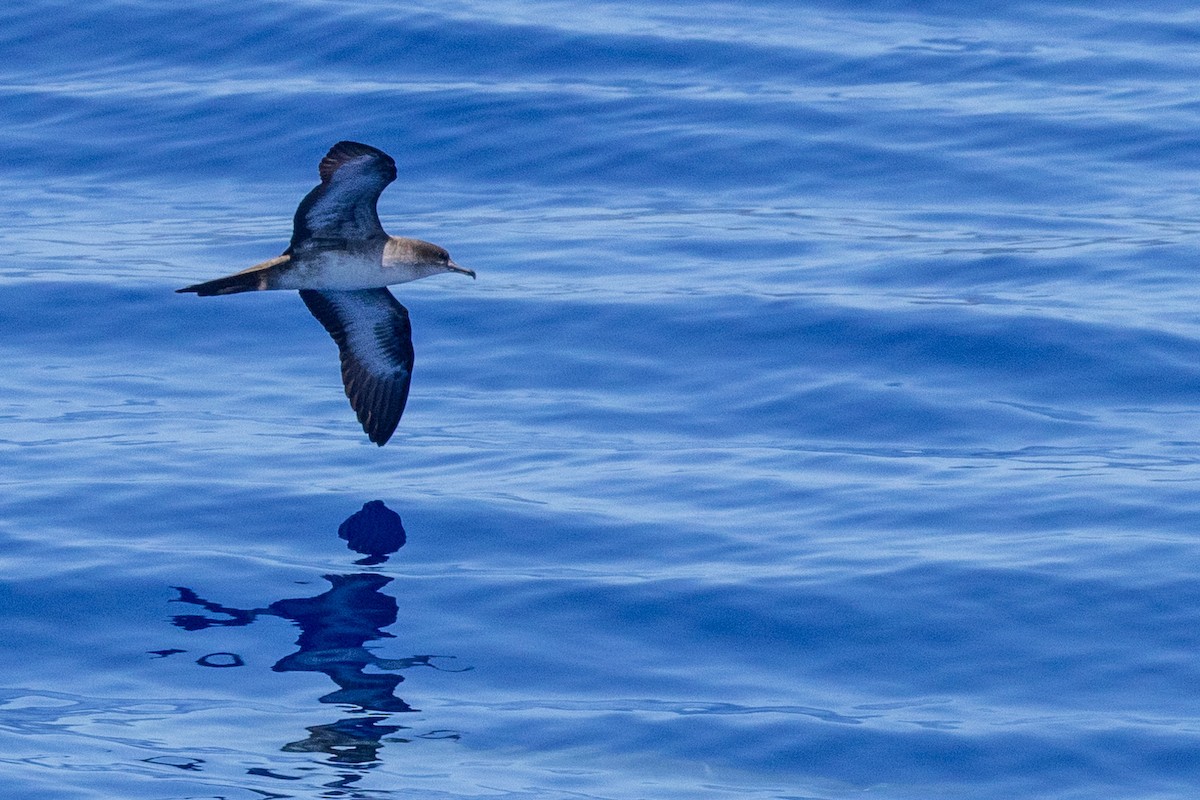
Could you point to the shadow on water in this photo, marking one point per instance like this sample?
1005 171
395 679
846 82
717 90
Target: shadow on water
335 628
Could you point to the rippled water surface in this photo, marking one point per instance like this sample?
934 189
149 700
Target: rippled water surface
823 422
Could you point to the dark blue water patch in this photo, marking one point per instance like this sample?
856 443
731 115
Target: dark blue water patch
752 630
731 355
335 42
584 122
714 369
730 631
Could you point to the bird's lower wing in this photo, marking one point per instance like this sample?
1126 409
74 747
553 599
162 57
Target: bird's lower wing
374 338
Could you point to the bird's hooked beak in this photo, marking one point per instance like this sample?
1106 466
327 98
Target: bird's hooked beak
452 267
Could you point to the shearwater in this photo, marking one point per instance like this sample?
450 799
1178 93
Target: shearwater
342 262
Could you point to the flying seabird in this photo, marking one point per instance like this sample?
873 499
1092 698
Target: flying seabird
342 262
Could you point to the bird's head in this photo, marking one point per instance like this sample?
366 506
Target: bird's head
421 259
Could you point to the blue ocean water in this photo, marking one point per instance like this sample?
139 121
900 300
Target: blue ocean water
823 422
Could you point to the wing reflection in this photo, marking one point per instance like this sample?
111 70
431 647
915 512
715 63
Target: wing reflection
375 531
335 629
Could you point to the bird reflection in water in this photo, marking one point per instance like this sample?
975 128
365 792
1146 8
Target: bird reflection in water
335 628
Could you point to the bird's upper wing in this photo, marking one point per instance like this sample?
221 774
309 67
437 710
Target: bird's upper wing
375 340
343 206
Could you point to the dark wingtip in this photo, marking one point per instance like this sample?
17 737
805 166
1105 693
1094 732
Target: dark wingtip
380 434
346 150
379 430
185 289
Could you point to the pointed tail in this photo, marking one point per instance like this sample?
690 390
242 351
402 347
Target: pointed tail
248 280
